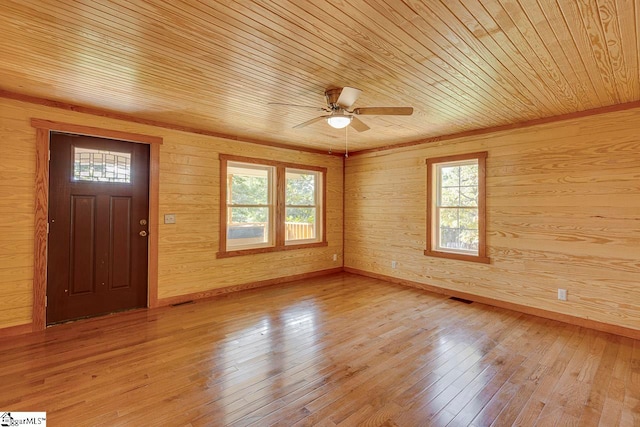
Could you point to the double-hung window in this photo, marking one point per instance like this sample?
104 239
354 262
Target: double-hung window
456 207
269 205
302 202
250 205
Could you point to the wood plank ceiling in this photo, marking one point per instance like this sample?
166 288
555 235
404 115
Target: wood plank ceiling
217 65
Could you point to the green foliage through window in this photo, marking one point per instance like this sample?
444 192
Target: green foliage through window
458 206
254 199
301 197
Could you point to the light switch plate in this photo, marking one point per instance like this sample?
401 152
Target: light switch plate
562 294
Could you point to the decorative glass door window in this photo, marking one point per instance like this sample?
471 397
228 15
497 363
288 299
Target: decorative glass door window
101 166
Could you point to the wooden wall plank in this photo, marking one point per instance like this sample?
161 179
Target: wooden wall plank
188 187
562 212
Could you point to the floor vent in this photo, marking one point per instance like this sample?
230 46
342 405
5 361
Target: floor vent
182 303
466 301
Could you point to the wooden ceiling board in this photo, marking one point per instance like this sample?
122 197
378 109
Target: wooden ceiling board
493 55
463 65
552 27
474 52
466 86
360 65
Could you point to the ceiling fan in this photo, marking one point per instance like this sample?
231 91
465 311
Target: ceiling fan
339 100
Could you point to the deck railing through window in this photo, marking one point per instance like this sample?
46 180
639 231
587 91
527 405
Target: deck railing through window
299 230
255 232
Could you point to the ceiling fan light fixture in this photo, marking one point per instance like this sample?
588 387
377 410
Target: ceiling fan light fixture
339 121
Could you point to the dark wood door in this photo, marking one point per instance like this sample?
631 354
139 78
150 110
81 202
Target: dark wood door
98 216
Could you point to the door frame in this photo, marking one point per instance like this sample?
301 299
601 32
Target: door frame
43 132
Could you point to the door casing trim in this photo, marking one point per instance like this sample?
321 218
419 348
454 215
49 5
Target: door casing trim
43 132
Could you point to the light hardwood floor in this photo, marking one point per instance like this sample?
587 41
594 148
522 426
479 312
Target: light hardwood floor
336 350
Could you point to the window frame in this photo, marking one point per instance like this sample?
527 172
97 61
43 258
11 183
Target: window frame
279 184
270 205
317 206
432 246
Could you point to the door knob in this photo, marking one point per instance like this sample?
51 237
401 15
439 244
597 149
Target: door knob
143 233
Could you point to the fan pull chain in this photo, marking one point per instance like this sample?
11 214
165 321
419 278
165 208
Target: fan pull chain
346 141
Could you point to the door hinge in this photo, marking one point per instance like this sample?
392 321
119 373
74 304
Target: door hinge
49 155
46 301
47 228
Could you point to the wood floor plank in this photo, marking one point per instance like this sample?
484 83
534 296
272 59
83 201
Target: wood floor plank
339 350
631 408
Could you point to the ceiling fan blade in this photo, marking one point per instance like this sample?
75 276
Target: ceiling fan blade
308 122
296 105
384 111
358 124
348 96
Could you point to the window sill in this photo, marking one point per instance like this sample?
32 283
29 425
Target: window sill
229 254
459 257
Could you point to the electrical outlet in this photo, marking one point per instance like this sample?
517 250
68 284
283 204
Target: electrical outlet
562 294
335 257
170 218
394 264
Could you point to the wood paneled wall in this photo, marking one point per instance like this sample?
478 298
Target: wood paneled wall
189 188
563 211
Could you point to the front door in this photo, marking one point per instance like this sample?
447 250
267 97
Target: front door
98 217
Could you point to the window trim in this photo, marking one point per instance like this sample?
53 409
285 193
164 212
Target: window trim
432 195
280 208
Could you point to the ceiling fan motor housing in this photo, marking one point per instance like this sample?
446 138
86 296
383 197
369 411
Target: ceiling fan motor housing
332 96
